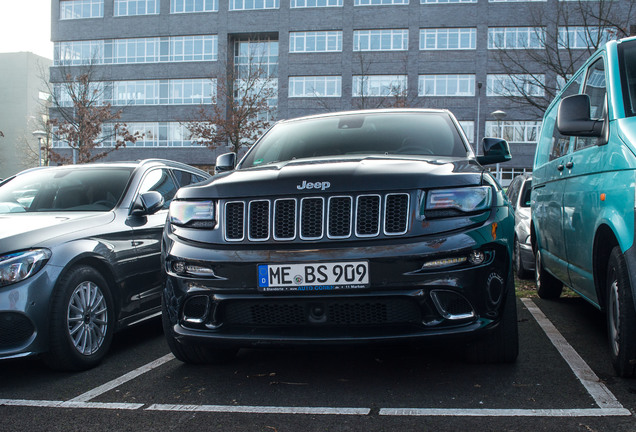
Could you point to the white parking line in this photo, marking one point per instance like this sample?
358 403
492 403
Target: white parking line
260 409
91 394
432 412
601 394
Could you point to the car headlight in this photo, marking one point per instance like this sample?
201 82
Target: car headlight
193 214
454 202
18 266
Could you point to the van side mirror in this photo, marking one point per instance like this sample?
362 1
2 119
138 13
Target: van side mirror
225 162
573 117
496 150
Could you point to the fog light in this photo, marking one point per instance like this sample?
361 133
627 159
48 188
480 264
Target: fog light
199 270
178 267
476 257
444 262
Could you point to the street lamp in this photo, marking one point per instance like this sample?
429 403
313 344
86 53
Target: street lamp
40 135
499 115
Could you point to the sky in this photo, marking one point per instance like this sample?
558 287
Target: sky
25 25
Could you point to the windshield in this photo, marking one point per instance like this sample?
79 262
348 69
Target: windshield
71 189
627 62
364 134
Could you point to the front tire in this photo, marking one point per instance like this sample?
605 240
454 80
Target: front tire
501 345
548 287
81 324
621 316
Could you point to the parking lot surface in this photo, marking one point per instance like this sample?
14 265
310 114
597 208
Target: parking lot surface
562 380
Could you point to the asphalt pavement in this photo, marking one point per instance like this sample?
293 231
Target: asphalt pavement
562 380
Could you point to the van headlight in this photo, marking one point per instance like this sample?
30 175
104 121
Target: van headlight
193 214
18 266
455 202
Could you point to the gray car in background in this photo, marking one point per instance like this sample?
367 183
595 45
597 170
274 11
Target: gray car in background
80 255
519 194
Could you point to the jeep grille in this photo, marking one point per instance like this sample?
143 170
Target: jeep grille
316 218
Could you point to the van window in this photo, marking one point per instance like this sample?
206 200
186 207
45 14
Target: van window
627 62
596 89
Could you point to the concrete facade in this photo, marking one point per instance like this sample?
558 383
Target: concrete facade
278 23
21 86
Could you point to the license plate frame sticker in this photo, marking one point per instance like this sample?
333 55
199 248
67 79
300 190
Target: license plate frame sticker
313 277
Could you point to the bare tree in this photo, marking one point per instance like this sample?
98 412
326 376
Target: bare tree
83 119
539 73
242 111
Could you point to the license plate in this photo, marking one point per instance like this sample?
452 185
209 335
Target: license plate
313 276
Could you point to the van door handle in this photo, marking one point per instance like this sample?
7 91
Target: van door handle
569 165
560 167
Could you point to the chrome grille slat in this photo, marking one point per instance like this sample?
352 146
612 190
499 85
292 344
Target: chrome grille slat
314 218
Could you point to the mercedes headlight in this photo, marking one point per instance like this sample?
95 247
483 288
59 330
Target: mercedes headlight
18 266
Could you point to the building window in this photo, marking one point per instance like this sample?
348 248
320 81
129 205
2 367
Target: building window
78 9
315 86
448 38
379 85
314 3
192 6
191 48
515 85
584 37
315 41
446 1
136 7
64 94
164 92
78 52
155 134
138 50
514 131
379 2
514 1
256 54
381 40
469 129
516 37
446 85
253 4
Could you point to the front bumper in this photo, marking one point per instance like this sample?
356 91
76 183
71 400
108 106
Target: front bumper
527 256
405 300
24 311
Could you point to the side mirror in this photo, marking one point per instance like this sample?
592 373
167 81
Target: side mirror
147 203
573 117
225 162
496 150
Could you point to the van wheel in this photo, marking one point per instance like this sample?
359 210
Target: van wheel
501 345
621 316
82 322
548 287
193 354
520 270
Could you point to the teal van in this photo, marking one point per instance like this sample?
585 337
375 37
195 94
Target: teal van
583 197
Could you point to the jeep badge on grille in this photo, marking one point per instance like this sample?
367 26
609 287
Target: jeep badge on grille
313 185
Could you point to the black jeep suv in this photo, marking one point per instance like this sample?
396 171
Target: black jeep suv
354 227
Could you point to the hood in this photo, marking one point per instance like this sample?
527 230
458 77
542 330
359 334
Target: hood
26 230
338 176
